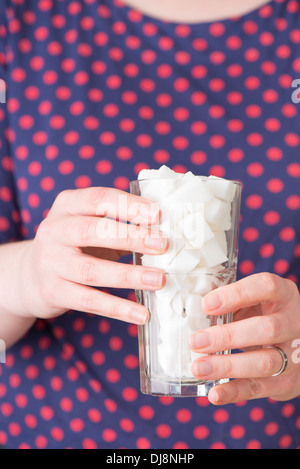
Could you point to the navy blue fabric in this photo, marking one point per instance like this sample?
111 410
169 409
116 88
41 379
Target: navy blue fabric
97 91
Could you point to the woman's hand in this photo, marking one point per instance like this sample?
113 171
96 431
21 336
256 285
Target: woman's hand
266 312
76 247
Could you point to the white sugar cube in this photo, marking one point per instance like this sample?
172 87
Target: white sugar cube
221 240
185 261
177 304
150 261
193 305
162 172
218 214
196 230
221 188
169 290
156 189
202 284
192 190
212 254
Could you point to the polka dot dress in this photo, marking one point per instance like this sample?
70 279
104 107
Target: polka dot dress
96 91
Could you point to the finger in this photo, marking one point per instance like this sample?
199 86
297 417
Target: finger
258 364
259 330
249 291
81 231
103 201
240 390
90 300
88 270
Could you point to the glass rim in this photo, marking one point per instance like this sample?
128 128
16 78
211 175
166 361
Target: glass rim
204 178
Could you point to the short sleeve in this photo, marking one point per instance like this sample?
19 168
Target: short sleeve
9 213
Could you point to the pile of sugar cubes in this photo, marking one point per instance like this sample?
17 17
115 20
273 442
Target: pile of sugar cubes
195 217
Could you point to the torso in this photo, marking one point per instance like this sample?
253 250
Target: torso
131 92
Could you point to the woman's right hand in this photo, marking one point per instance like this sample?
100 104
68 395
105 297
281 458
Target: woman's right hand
60 271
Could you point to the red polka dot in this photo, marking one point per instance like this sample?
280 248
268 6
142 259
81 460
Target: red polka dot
252 83
275 185
71 138
288 410
256 414
144 140
217 141
183 415
235 98
47 183
255 139
129 394
292 140
163 430
236 155
146 412
217 170
285 441
47 413
287 234
293 202
246 267
82 181
217 29
198 157
88 443
124 153
201 432
272 125
221 416
77 425
251 234
104 167
281 266
180 143
272 217
254 201
41 441
161 156
274 154
255 169
266 250
143 443
127 425
57 434
253 444
237 432
109 435
293 170
250 27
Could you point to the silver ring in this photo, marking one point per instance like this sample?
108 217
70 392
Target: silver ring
285 360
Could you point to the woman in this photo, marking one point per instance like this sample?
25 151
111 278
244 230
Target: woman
96 91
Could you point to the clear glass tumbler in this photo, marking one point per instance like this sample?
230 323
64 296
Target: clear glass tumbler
200 216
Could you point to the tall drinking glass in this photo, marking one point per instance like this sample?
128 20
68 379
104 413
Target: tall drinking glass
200 217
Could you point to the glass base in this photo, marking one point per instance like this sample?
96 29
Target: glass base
179 389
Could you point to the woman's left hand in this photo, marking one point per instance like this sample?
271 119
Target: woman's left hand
266 311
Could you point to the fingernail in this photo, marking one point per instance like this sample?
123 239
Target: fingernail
152 278
200 340
156 243
138 316
213 301
202 368
213 396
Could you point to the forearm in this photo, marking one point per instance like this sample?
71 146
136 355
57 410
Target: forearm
15 320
